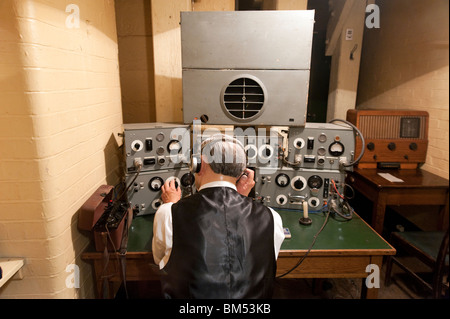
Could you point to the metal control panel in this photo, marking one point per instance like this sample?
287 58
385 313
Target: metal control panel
156 146
289 188
145 193
263 151
320 146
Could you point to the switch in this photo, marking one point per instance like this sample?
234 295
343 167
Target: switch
310 143
148 144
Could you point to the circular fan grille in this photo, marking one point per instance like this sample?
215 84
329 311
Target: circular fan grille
243 99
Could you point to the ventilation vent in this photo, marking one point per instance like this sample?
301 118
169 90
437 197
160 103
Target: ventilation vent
243 99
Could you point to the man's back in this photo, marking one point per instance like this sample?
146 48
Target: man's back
223 247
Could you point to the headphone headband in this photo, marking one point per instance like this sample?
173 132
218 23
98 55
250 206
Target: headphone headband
195 164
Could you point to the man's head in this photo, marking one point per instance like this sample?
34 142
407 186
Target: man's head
224 157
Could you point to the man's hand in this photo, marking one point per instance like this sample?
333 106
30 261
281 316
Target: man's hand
170 193
246 182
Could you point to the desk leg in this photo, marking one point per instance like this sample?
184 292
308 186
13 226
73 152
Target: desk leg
443 216
372 293
378 211
368 293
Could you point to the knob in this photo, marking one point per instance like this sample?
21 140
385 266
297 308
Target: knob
370 146
298 184
413 146
391 146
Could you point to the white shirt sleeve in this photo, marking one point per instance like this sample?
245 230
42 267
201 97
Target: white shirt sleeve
162 235
278 232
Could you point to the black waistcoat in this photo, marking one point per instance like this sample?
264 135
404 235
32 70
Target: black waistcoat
223 247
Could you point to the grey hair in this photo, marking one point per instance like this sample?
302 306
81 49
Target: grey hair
224 154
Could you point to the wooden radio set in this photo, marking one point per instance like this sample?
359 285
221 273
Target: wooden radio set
393 138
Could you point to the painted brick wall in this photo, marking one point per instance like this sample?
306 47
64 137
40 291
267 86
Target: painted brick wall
134 33
60 112
405 66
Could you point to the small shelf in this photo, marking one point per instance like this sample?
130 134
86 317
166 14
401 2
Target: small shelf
10 266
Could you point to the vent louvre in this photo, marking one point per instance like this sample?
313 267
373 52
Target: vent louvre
243 99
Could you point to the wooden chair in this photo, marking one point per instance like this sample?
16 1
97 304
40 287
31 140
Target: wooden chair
430 247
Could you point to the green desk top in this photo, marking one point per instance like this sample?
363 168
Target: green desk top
338 234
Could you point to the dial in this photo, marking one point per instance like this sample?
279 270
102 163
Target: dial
251 151
137 145
187 179
314 202
265 152
174 147
282 180
176 179
155 183
281 200
315 181
336 148
298 183
299 143
156 203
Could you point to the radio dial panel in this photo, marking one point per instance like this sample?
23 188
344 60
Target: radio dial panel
156 145
145 197
310 185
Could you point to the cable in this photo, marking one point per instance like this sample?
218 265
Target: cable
335 188
293 164
345 207
309 249
132 182
363 142
353 191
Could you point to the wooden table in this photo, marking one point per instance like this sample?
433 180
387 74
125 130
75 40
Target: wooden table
344 249
419 187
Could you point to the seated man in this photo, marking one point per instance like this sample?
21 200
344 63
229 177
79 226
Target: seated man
217 243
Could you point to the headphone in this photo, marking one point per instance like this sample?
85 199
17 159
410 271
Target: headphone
196 161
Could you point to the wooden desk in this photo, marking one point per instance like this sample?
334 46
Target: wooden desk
343 250
419 188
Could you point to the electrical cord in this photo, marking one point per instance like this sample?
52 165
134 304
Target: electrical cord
309 249
337 204
139 167
363 142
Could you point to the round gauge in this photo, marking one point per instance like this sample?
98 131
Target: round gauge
174 147
155 183
315 181
187 179
322 138
336 149
298 183
160 137
282 180
321 151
